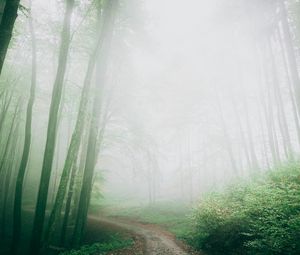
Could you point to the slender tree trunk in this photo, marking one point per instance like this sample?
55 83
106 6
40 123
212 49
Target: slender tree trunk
290 51
226 136
264 149
17 213
75 143
94 126
7 148
189 169
9 138
243 138
38 223
9 16
5 110
79 175
254 161
9 169
279 102
58 147
289 83
268 110
56 168
68 205
2 5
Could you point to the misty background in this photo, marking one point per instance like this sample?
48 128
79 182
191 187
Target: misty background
188 104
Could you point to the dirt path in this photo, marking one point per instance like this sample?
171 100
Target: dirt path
157 241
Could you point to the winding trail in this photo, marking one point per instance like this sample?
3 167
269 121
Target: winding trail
157 241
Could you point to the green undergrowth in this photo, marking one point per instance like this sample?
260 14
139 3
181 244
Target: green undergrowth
171 216
116 243
259 217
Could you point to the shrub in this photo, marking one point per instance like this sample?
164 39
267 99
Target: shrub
101 248
259 217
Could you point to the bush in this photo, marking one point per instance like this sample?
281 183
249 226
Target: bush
101 248
259 217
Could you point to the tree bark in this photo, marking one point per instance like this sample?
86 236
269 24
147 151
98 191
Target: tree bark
94 126
4 111
9 138
9 16
75 142
2 5
17 220
68 205
38 223
9 165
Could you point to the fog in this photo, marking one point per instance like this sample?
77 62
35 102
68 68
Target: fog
185 98
141 102
190 92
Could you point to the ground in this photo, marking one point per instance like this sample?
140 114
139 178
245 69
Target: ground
151 239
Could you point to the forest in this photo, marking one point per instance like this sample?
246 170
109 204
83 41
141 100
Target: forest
150 127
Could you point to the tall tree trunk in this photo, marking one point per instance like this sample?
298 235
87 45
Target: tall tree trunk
7 149
68 205
254 161
241 131
226 135
279 103
17 220
79 175
94 126
4 111
289 83
38 223
9 138
56 159
264 149
75 142
290 51
189 168
7 179
9 16
2 5
266 102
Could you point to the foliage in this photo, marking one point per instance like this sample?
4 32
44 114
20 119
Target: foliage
101 248
172 216
260 217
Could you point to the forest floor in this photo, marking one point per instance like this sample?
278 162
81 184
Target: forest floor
143 230
158 229
150 239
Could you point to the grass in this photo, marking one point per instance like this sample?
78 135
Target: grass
117 242
171 216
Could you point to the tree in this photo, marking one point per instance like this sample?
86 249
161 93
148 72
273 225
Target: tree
2 5
9 16
17 220
74 146
10 164
38 223
94 125
290 51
